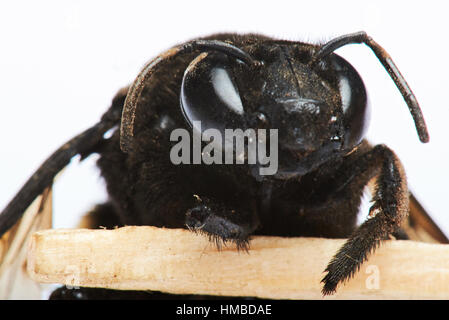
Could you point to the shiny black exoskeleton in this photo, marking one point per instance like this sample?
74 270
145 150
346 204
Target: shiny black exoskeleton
313 97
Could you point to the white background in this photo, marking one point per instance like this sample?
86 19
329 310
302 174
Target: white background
61 63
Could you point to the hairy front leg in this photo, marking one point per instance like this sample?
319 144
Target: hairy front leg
221 222
386 214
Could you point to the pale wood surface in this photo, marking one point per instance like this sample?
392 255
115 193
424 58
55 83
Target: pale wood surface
179 261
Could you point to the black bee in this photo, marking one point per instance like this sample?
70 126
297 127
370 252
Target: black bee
313 97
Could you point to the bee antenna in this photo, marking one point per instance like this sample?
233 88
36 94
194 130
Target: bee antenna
132 98
387 62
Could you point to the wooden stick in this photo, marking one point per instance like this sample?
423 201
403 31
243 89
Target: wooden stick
179 261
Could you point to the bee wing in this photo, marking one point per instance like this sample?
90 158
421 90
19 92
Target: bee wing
14 280
420 227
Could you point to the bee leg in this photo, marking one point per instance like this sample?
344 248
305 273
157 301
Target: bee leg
221 223
83 144
385 216
102 216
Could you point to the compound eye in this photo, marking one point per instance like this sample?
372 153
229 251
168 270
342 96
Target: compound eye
354 101
209 94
